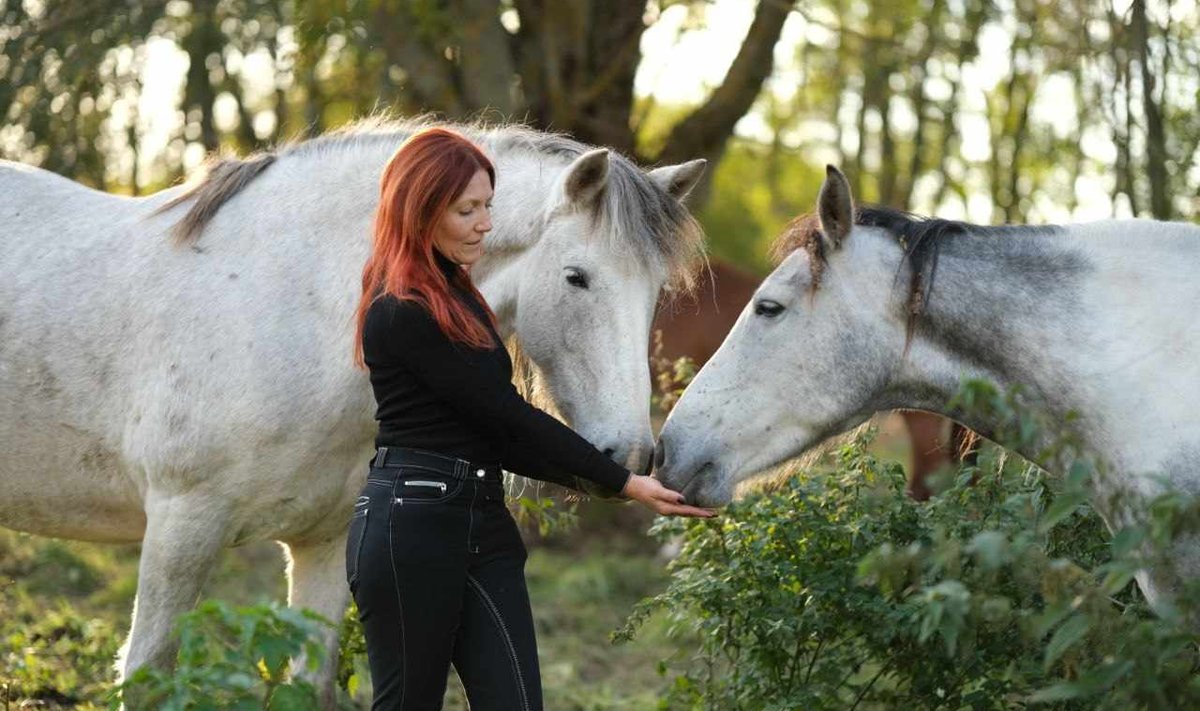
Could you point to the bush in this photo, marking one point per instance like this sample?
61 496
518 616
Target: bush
233 659
835 591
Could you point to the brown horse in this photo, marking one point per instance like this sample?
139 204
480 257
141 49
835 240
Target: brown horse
936 442
694 327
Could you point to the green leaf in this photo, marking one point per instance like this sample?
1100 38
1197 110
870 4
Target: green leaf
1071 631
1094 681
1064 505
1127 539
1062 691
1117 575
293 697
990 549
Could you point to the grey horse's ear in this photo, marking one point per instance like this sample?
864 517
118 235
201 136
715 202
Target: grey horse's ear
835 208
678 180
586 178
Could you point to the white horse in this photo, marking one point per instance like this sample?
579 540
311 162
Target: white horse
198 392
877 310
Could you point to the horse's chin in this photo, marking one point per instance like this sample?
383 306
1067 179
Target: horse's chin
709 488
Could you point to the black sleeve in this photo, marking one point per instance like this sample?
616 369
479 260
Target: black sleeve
474 383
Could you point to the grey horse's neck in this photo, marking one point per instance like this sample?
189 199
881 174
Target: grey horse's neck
1000 304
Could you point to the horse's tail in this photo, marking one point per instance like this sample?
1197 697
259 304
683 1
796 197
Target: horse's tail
223 178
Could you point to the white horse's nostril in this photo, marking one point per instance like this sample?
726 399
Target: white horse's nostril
660 453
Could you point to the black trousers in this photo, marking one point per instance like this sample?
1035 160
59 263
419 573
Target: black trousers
437 568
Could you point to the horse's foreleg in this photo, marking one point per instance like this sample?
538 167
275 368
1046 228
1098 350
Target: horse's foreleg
317 581
184 536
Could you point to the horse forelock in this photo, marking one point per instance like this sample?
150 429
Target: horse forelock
643 216
803 232
636 211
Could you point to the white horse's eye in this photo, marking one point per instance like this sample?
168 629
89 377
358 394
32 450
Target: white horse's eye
576 277
768 308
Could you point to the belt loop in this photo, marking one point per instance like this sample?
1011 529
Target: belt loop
381 457
460 468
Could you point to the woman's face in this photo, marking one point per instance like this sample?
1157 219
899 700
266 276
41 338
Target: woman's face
459 234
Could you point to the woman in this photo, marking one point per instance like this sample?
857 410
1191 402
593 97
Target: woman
434 559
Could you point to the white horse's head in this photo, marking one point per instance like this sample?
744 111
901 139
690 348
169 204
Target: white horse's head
807 358
580 298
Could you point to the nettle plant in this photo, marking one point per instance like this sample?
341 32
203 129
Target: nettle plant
830 589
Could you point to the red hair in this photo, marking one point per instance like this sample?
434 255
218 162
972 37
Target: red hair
420 182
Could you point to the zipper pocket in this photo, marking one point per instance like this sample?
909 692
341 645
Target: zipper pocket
431 484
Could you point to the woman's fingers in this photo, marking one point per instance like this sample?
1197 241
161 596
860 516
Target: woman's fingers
672 503
662 492
685 510
662 500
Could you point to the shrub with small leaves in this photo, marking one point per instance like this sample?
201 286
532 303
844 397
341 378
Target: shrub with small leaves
834 591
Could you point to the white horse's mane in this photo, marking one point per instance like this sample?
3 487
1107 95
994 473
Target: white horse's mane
660 229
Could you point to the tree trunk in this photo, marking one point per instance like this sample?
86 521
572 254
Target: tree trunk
485 69
1156 150
919 101
204 40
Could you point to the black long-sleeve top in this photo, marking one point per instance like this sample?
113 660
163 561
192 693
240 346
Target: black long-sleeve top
450 398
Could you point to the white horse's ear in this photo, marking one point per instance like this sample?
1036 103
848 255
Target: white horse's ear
835 208
586 177
678 180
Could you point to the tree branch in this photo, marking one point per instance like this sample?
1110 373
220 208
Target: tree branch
705 131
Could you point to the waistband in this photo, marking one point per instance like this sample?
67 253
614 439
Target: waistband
391 457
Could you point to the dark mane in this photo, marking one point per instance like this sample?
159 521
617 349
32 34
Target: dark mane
921 238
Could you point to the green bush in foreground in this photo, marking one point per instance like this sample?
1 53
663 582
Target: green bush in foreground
835 591
233 659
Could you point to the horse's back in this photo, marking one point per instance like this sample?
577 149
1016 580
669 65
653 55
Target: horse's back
30 193
48 222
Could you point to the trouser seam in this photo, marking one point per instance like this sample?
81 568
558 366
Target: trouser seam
400 605
512 650
471 518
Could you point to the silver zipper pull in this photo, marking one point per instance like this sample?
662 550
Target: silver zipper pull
432 484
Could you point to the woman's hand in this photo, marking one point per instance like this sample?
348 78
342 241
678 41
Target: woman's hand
649 492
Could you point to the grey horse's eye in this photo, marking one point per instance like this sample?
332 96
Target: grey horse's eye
576 278
768 308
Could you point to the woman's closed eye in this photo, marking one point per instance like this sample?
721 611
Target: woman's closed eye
468 211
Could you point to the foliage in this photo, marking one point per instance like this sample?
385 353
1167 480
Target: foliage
1002 111
756 191
54 656
670 376
55 652
234 659
834 591
549 516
